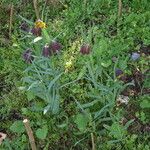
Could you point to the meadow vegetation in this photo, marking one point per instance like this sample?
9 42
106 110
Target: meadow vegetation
78 70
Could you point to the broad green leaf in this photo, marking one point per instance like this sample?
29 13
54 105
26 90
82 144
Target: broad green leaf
17 127
41 133
30 95
145 104
82 121
116 130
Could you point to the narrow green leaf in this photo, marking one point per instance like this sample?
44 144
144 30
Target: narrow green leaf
26 20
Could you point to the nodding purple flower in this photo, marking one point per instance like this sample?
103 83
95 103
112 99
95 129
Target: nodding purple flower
24 26
118 72
36 31
85 49
55 46
27 56
135 56
46 51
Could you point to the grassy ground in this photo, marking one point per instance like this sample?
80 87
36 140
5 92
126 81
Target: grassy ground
91 94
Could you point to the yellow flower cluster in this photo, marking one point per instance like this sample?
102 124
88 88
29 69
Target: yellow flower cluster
69 64
40 24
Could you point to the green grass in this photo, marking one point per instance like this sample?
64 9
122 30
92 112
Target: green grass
71 98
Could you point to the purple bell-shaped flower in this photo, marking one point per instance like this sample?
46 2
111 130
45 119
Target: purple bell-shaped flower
135 56
46 51
36 31
55 46
118 72
85 49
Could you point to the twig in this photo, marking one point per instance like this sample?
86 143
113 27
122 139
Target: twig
35 3
119 8
30 133
93 143
11 18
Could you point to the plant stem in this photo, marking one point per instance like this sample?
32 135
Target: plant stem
30 133
35 3
11 18
93 143
119 8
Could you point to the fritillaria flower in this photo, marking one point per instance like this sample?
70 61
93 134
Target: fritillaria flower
27 56
46 51
85 49
55 46
118 72
135 56
36 31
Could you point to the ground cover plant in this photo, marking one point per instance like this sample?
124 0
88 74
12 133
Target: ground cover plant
78 71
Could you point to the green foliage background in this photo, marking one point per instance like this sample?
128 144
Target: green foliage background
87 105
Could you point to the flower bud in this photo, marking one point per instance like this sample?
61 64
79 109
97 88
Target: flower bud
55 46
85 49
46 51
27 56
36 31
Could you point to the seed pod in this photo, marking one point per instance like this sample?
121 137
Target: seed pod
36 31
46 51
135 56
27 56
55 46
24 26
85 49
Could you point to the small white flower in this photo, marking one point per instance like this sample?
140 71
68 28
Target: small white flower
123 99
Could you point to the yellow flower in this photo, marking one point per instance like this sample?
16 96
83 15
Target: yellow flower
40 24
69 64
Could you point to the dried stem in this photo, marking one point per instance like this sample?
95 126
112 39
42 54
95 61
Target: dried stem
30 133
11 19
119 8
35 3
93 143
